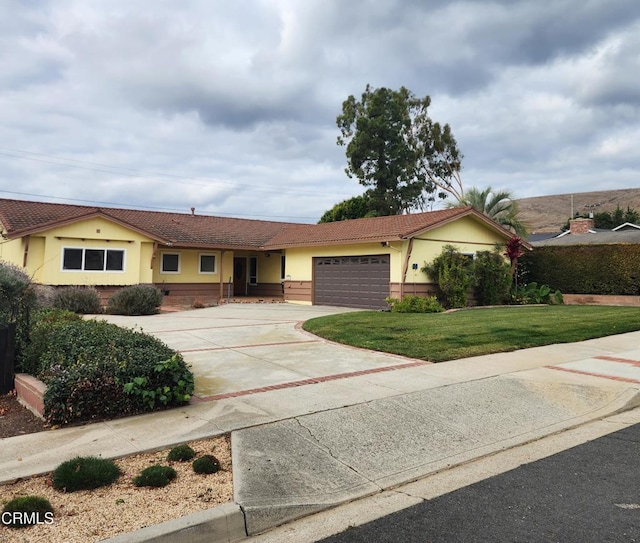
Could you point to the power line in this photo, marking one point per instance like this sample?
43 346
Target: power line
150 208
130 172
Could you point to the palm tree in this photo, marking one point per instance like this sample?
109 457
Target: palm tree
499 206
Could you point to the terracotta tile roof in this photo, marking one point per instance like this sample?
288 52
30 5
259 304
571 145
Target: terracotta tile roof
374 229
20 218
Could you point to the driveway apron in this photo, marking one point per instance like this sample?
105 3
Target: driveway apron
243 348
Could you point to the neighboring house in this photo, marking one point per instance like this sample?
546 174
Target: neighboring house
582 232
354 263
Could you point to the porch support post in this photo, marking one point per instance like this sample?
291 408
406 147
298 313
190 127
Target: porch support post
153 254
26 251
405 267
221 271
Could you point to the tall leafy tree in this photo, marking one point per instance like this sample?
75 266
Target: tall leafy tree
497 205
610 220
396 150
352 208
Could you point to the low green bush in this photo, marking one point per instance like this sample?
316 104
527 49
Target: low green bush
415 304
38 508
82 300
95 370
206 464
181 453
155 476
532 293
135 300
85 473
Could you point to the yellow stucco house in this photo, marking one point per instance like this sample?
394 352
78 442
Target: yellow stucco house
356 263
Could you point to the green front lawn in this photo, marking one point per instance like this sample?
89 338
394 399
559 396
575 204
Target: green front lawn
447 336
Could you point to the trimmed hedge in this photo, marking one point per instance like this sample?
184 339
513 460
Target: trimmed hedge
96 370
415 304
585 269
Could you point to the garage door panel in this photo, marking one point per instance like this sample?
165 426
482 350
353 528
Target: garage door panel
352 281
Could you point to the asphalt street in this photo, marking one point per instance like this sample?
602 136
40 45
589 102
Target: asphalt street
590 493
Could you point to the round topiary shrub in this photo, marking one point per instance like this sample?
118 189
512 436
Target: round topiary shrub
82 300
135 300
85 473
181 453
155 476
26 511
206 464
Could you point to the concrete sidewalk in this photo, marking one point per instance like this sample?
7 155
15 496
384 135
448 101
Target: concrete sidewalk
322 436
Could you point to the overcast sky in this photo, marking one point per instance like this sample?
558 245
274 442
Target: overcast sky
230 107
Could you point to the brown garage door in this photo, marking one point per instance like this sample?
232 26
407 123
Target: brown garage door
351 281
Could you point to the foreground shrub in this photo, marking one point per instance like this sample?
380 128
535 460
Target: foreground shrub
181 453
206 464
95 370
17 301
85 473
155 476
415 304
135 300
82 300
38 510
42 322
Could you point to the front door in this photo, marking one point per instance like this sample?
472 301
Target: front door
240 276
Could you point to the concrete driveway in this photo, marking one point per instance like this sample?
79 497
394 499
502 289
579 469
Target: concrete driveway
239 348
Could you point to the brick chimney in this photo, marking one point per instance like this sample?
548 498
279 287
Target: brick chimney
580 226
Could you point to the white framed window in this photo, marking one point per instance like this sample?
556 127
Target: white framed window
253 270
92 259
207 263
170 263
283 267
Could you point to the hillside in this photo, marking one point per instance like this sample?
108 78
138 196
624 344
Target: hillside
549 213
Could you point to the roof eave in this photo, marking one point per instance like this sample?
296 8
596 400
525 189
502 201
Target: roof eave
213 246
65 222
330 243
475 213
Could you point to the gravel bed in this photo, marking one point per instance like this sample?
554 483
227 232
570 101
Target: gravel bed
93 515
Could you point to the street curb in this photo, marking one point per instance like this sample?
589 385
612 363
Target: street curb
224 523
227 523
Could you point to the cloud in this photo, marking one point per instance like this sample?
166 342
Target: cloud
231 107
